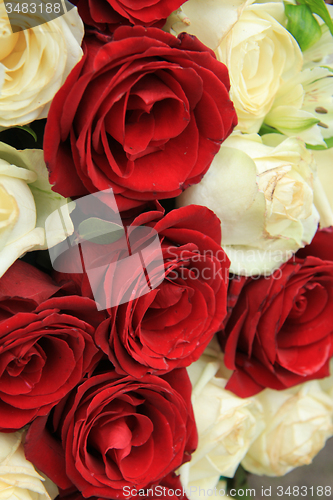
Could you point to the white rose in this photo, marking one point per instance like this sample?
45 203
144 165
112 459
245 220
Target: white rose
260 55
263 195
26 200
209 21
34 64
298 423
18 478
226 425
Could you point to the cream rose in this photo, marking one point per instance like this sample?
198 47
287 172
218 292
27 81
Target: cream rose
226 424
18 478
268 198
260 55
26 200
209 21
34 63
298 423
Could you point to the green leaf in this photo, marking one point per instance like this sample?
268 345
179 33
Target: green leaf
27 129
266 129
319 7
302 25
328 68
239 482
99 231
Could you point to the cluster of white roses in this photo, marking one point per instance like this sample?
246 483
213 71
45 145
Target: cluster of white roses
270 433
34 64
267 189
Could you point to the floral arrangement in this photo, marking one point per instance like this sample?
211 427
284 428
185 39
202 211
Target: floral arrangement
166 235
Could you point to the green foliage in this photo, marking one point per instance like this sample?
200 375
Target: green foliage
302 25
319 7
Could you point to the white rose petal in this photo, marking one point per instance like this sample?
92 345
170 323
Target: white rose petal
209 20
324 161
34 63
26 200
267 195
226 425
260 55
298 423
18 477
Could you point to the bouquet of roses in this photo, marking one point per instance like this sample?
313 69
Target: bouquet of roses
166 235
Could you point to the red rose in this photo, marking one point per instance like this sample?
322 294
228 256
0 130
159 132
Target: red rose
321 245
280 329
143 114
170 326
113 13
46 344
114 433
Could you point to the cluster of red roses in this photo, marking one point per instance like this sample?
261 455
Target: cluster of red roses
106 393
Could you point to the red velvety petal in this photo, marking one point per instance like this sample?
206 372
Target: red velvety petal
102 11
305 360
163 415
290 339
171 325
23 281
320 247
58 157
77 307
145 12
12 419
46 452
137 49
241 384
201 220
